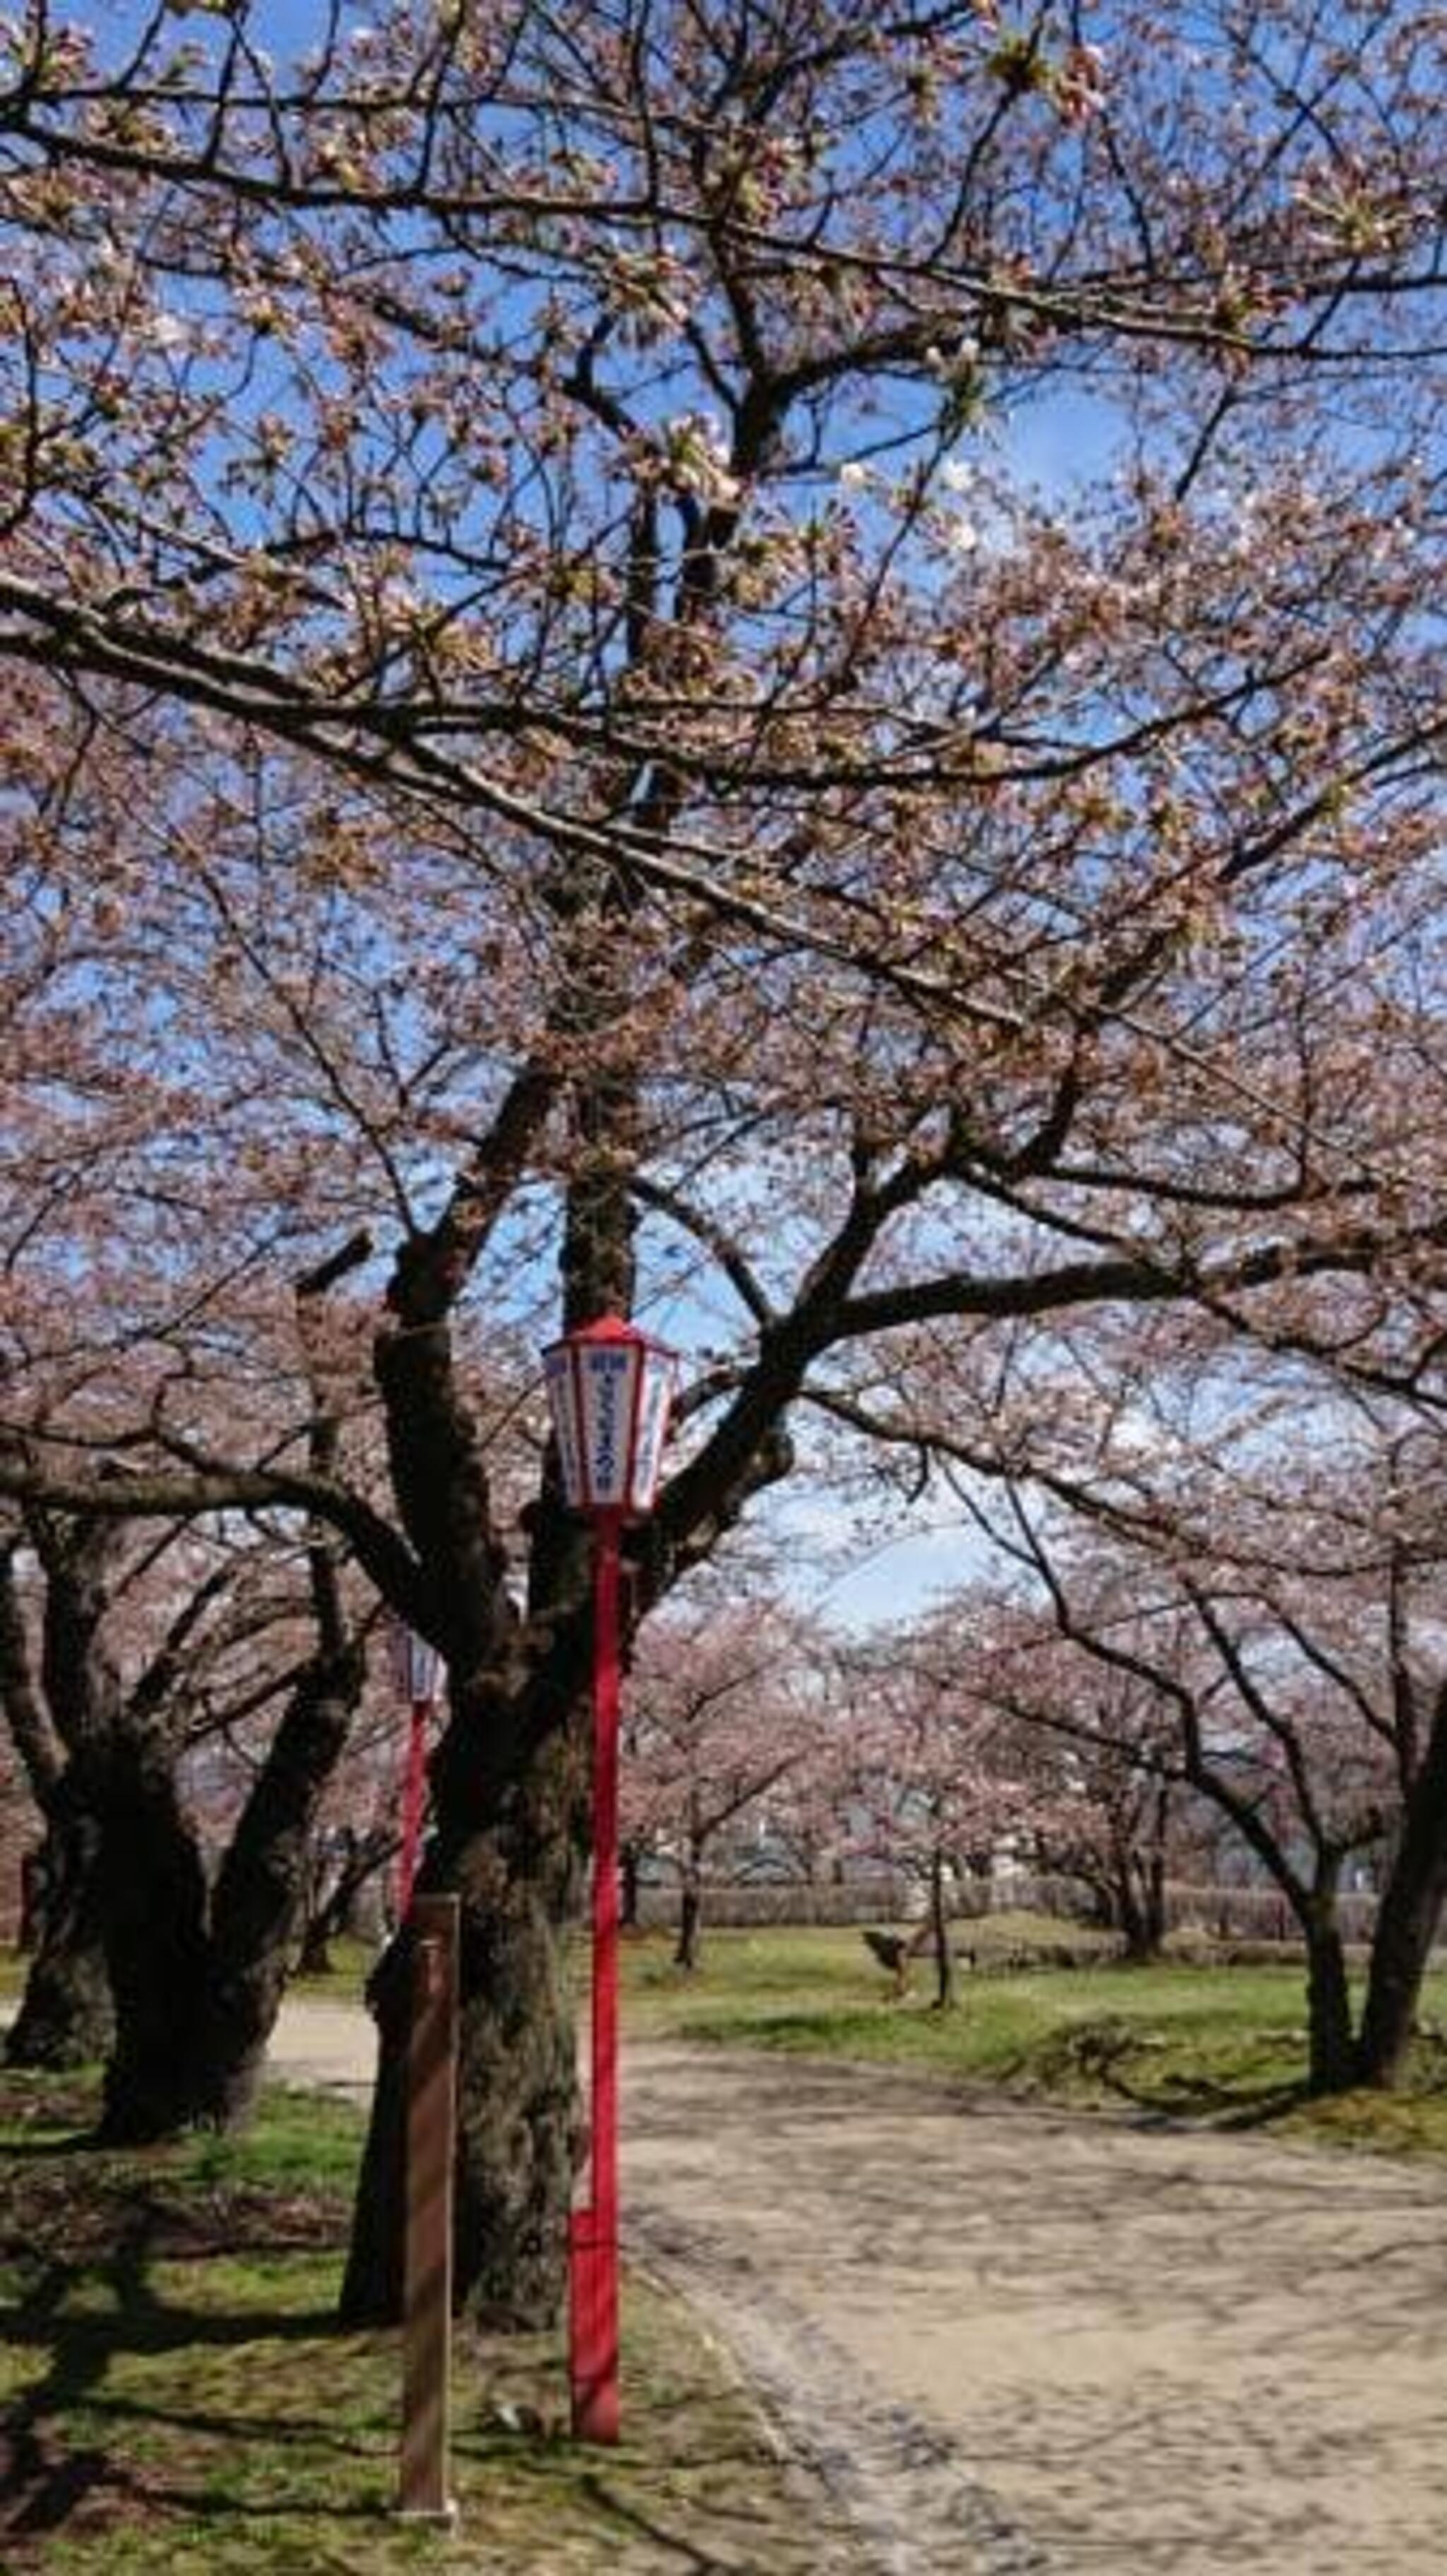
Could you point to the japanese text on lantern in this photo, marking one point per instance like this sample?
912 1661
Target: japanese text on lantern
606 1379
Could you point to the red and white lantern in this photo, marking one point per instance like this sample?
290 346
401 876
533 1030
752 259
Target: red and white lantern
416 1666
610 1390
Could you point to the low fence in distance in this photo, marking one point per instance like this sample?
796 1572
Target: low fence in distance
1205 1913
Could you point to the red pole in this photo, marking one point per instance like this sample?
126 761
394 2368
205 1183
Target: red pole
593 2237
414 1800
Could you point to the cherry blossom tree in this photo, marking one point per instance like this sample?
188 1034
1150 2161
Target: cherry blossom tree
1271 1638
725 1703
683 817
1114 1816
164 1942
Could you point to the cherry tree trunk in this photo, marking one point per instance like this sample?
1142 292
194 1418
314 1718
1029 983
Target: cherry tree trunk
628 1888
153 1898
516 1874
197 1983
690 1915
940 1930
1407 1919
1140 1906
65 2016
261 1892
1329 2019
314 1959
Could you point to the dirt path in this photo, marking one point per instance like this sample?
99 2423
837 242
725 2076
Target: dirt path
1016 2341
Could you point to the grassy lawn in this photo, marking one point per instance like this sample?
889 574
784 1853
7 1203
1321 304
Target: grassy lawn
177 2398
1217 2042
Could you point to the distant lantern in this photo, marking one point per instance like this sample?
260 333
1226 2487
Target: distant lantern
610 1390
416 1671
415 1666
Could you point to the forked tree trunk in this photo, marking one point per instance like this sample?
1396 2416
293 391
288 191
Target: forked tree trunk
66 2017
1407 1918
329 1918
198 1984
260 1892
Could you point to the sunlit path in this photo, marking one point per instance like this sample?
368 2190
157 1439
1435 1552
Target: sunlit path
1018 2340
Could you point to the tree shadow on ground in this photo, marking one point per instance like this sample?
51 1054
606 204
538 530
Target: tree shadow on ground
1114 2057
48 2488
1213 2105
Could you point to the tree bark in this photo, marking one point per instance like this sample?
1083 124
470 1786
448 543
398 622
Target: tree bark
66 2016
1332 2066
516 1872
940 1930
260 1892
1140 1905
314 1959
1407 1918
198 1983
153 1900
690 1919
330 1912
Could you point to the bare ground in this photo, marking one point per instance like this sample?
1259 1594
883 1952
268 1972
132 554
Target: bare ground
1011 2340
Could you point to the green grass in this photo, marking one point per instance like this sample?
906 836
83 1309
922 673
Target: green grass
1204 2041
352 1963
179 2398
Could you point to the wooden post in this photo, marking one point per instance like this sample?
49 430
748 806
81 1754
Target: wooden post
431 2135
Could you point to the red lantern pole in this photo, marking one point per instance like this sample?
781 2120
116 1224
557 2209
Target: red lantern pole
609 1389
593 2235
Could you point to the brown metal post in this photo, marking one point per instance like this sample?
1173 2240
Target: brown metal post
431 2134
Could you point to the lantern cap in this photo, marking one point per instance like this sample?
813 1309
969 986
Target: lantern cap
607 1328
